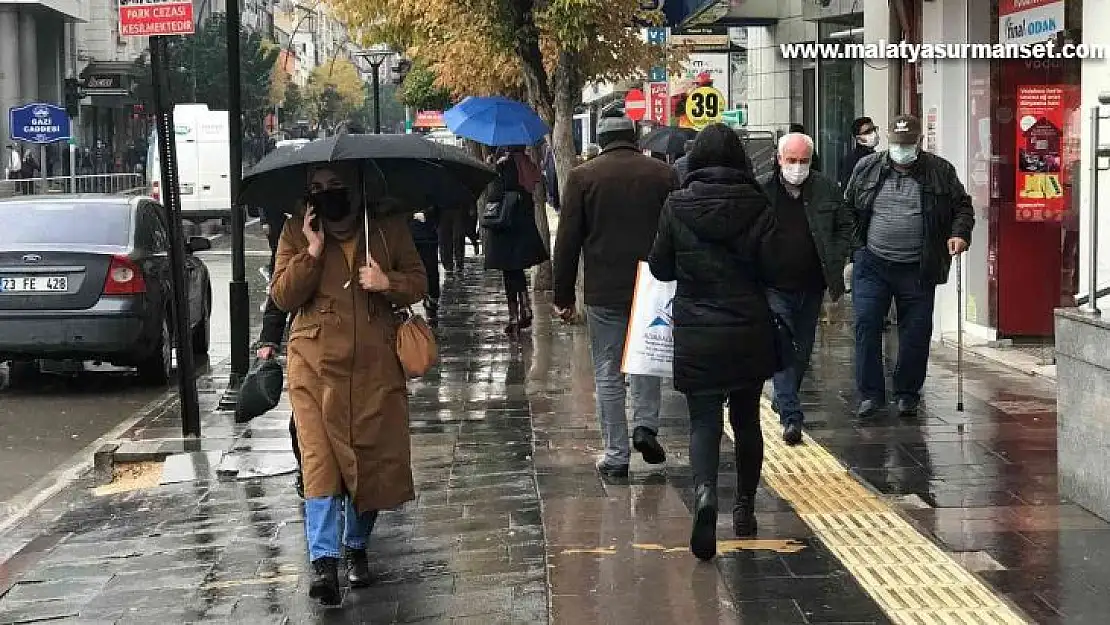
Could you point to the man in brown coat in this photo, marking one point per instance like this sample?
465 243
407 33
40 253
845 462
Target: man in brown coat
346 385
610 211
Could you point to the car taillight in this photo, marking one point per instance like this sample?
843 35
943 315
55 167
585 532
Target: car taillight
124 278
155 190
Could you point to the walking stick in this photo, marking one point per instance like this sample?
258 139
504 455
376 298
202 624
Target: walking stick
959 333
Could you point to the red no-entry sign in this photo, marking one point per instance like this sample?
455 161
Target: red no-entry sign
635 105
147 18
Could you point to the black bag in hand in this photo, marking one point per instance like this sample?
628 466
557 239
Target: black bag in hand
261 390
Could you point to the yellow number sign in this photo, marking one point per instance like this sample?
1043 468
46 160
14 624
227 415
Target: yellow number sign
704 106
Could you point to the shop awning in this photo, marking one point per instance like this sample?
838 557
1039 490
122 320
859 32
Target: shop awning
730 13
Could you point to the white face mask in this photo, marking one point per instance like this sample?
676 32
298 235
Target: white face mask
903 154
870 139
795 174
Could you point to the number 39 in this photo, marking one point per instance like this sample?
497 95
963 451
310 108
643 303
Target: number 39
706 106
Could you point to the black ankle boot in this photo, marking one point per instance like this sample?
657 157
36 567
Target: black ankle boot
525 310
325 583
743 517
703 537
358 568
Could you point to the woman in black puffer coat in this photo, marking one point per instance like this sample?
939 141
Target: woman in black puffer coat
713 239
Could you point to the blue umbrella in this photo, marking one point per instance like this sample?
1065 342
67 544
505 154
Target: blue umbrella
496 121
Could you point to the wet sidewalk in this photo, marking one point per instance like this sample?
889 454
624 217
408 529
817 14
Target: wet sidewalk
888 520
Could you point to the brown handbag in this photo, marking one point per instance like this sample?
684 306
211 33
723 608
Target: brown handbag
416 345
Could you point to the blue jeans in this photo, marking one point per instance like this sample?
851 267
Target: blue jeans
321 520
608 327
875 282
800 310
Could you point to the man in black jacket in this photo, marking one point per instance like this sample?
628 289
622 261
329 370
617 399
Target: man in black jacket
814 228
866 138
912 216
610 213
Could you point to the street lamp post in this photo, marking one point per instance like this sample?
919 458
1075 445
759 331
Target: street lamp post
239 303
377 57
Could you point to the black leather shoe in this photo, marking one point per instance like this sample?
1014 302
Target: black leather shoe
908 406
703 537
792 433
867 408
743 517
325 582
645 442
611 470
358 568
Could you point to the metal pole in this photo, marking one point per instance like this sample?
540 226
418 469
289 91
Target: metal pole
72 168
960 333
237 289
377 98
186 371
1092 204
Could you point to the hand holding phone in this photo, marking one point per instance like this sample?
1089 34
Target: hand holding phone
312 234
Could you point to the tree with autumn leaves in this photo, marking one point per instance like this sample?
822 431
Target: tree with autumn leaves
540 51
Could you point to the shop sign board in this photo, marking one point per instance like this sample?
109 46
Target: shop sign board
152 18
659 102
38 123
1042 111
705 106
1029 21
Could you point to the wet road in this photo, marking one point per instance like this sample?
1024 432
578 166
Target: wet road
44 424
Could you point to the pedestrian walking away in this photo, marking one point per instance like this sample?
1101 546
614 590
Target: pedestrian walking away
343 277
814 230
611 207
681 164
450 227
716 239
515 246
912 216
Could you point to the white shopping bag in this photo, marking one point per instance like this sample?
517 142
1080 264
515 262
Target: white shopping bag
649 344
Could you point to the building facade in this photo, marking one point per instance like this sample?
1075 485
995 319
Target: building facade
36 44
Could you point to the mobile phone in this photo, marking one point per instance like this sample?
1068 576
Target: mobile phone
315 222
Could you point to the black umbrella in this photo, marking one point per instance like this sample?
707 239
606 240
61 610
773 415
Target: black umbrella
408 168
669 140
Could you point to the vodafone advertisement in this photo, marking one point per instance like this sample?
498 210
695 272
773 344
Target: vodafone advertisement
1042 112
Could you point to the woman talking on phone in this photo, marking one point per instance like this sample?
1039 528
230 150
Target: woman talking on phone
346 385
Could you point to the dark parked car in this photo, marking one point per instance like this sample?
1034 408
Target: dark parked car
87 277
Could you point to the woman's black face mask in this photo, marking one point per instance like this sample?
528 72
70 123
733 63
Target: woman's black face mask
331 204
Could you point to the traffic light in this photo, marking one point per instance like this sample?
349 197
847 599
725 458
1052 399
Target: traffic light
400 70
73 96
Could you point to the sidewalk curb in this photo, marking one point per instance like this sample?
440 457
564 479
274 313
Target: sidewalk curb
26 502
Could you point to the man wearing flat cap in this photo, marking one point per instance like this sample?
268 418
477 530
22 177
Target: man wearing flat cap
610 213
912 217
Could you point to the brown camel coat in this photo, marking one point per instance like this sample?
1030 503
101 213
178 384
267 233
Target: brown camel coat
347 388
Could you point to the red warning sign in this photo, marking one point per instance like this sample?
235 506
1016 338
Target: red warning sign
146 18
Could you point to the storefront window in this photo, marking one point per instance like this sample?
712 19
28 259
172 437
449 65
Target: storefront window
839 94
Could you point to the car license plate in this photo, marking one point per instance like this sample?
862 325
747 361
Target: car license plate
34 284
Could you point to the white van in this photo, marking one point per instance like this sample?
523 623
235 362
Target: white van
203 162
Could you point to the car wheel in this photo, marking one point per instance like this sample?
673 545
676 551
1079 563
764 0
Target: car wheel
202 334
22 372
157 368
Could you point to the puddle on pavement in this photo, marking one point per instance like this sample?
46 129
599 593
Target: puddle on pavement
723 546
131 476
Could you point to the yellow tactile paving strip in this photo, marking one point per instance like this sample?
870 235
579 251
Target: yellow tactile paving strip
912 580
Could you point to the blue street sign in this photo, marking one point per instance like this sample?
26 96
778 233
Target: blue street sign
657 36
657 74
38 123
